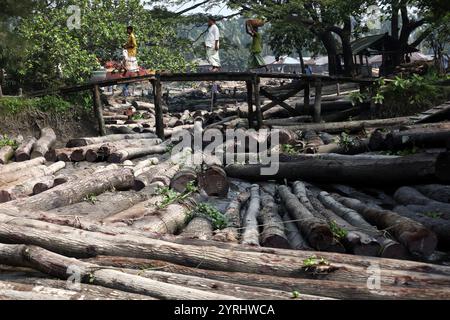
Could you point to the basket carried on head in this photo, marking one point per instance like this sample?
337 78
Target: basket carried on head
256 23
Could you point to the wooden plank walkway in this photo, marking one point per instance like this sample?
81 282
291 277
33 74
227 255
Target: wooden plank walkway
252 80
429 115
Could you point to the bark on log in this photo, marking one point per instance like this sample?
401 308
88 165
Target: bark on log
355 240
182 178
214 181
198 228
410 196
169 220
436 192
413 235
22 190
6 154
390 248
325 288
273 234
23 152
46 183
44 144
14 178
87 244
317 232
250 236
73 192
107 204
440 227
17 166
423 138
338 127
233 216
82 142
132 153
295 238
57 265
50 289
410 169
313 142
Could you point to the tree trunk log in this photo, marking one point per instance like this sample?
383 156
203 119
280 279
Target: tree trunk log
295 238
23 152
73 192
198 228
338 127
439 226
214 182
250 236
84 244
233 215
410 196
273 234
325 288
411 169
182 178
132 153
317 232
413 235
14 178
22 190
21 165
57 265
436 192
82 142
355 240
44 144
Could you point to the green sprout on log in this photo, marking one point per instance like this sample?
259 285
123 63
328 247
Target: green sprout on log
433 215
314 262
289 149
170 196
295 294
218 220
338 232
91 198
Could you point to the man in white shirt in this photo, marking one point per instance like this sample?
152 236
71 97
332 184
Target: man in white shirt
212 40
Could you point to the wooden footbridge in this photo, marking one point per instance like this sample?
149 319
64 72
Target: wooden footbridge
254 91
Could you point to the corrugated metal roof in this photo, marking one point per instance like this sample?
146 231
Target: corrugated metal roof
359 45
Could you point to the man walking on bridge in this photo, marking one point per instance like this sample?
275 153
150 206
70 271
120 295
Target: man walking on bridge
212 42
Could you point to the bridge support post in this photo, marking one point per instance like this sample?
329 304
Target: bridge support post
250 103
318 102
98 110
257 91
157 89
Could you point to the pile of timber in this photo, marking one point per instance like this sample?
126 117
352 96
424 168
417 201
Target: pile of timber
23 149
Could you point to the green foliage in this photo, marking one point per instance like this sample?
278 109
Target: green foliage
137 116
91 198
295 294
433 215
50 54
7 141
402 153
209 212
338 232
289 149
15 105
358 98
346 141
314 262
171 196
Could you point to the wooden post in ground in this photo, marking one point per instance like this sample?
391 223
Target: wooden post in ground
318 102
257 87
307 95
157 89
1 92
250 103
338 89
98 111
373 105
